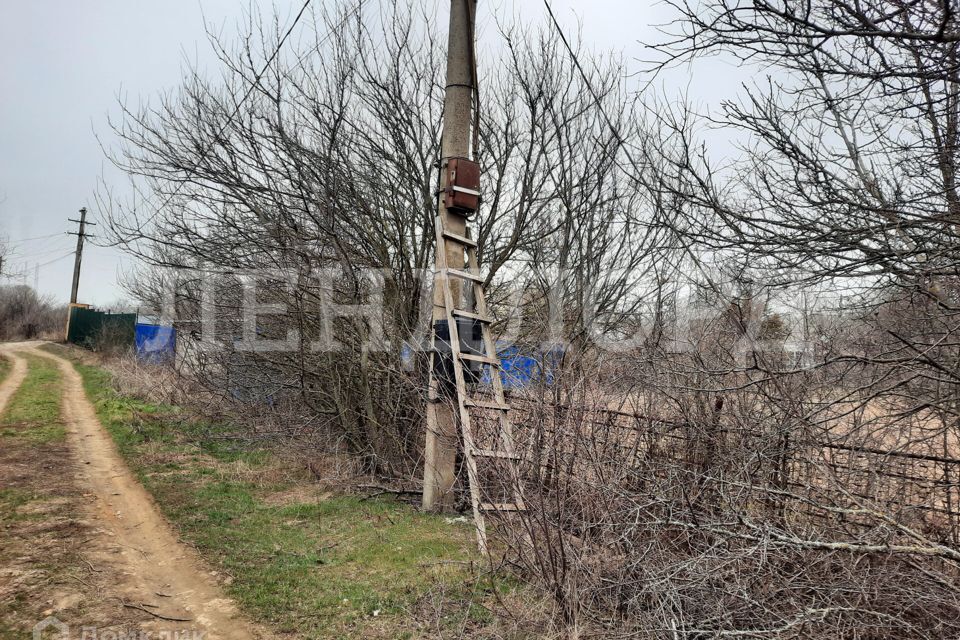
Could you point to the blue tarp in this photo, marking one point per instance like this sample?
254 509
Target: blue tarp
521 369
155 344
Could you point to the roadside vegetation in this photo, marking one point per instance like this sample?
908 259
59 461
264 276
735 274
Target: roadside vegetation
5 366
299 556
34 411
751 429
27 315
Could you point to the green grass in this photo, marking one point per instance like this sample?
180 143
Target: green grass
34 411
11 503
5 367
315 565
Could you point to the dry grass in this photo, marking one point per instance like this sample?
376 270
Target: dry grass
297 552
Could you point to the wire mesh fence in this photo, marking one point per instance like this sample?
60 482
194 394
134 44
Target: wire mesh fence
802 471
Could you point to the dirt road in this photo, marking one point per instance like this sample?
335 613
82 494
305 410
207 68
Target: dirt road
157 577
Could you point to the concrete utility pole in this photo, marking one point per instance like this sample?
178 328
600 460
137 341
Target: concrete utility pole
81 234
440 456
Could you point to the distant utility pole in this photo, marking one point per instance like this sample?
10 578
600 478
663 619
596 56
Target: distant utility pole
81 234
442 436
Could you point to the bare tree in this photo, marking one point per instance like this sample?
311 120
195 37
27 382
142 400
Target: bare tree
736 490
329 167
25 315
753 429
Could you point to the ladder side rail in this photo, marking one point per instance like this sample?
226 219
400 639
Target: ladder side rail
491 348
506 427
465 423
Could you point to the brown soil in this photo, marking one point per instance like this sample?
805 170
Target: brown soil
114 561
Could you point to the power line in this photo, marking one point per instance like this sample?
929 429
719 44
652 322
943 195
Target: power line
47 237
471 21
57 242
16 250
32 257
64 256
253 85
586 81
21 273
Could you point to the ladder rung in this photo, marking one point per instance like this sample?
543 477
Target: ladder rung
473 316
506 506
466 275
484 359
449 235
487 453
485 404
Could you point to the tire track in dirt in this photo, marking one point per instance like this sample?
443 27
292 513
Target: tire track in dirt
151 558
14 379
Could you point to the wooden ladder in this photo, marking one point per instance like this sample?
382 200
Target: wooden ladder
465 402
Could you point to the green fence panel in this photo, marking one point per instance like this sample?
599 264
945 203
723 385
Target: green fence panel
89 327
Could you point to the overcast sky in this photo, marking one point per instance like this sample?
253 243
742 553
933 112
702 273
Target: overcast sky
63 64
